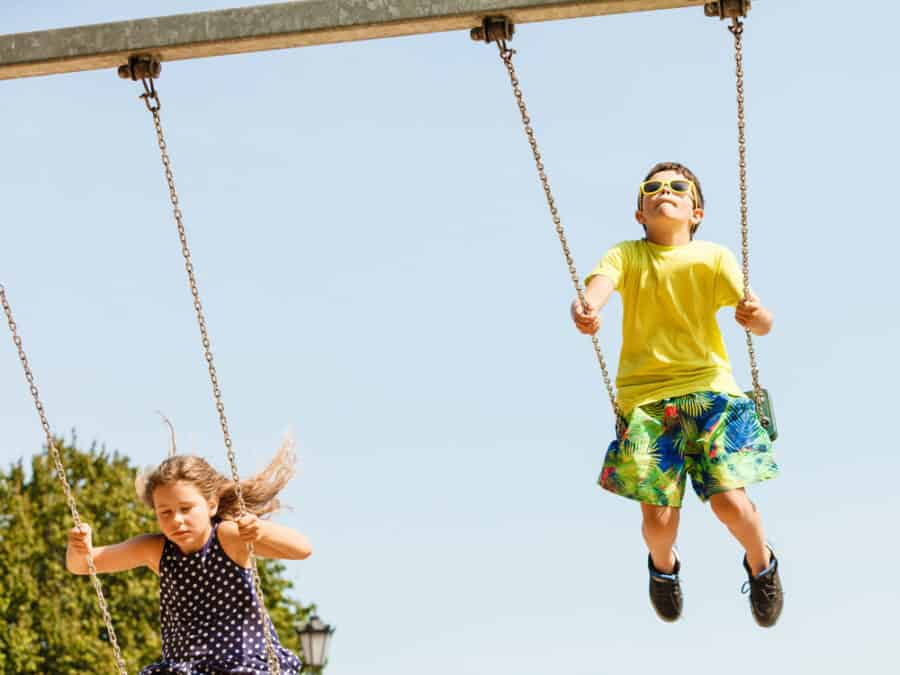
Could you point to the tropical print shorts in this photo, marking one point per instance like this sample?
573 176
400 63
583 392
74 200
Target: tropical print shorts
715 438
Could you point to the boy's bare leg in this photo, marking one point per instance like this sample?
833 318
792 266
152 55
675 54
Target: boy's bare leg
660 528
740 516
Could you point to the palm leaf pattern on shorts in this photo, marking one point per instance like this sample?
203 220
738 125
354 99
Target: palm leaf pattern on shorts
742 427
748 467
637 468
695 404
714 437
641 451
656 409
632 462
685 442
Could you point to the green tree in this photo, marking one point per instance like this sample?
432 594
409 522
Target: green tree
50 620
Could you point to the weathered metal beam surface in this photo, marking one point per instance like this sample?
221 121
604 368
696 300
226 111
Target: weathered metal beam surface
278 26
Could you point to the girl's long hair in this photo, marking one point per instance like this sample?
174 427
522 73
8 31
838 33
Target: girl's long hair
260 491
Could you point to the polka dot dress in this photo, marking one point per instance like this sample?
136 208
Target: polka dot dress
210 616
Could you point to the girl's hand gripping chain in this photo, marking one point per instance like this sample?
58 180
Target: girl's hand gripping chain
270 540
249 528
80 540
80 546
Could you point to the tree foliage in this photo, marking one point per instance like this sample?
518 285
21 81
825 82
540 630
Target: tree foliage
50 620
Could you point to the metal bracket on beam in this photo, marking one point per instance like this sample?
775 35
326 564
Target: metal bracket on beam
140 68
727 9
144 68
494 29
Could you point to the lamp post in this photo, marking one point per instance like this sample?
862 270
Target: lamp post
315 637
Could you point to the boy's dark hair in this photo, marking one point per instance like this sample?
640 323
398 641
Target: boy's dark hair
684 171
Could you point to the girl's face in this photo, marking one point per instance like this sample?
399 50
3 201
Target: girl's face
184 515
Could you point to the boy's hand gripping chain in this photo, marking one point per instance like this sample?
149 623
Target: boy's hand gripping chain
145 69
61 472
499 30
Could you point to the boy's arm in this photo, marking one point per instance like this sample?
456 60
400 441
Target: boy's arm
143 550
751 314
596 295
270 540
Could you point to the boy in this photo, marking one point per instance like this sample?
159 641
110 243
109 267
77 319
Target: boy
683 412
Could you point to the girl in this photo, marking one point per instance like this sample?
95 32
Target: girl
209 610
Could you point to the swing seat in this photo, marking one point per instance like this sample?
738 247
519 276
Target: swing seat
766 413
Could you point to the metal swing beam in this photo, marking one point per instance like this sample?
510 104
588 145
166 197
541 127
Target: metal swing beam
280 26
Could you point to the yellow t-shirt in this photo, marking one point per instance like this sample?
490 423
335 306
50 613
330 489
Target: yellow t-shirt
671 343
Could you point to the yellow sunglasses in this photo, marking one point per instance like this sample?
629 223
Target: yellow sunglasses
678 186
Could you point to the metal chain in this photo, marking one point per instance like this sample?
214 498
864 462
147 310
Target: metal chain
737 29
61 472
506 55
151 99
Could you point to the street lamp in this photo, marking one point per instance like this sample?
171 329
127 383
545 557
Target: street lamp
315 637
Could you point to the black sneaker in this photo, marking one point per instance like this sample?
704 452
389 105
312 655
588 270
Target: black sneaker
766 595
665 591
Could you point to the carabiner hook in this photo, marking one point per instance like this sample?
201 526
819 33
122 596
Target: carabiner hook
150 93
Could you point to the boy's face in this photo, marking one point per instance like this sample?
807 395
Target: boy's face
667 211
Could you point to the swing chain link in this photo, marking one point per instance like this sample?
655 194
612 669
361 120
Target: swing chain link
61 472
737 29
154 107
506 55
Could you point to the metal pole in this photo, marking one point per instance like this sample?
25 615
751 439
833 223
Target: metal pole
278 26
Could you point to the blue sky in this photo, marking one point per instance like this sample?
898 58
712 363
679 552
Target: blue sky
381 275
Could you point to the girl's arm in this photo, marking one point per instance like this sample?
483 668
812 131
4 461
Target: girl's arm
596 295
143 550
270 540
